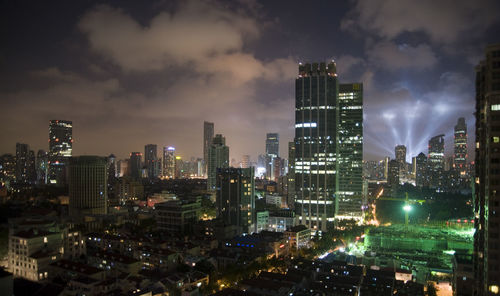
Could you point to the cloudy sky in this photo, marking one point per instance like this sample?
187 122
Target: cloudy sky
129 73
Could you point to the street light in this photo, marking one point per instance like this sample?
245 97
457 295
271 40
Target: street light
407 208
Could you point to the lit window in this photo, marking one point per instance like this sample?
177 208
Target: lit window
494 289
496 139
495 107
45 240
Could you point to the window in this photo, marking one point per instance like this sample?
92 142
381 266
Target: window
495 107
45 240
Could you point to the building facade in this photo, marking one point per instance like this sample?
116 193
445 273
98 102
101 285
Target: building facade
168 162
350 152
151 161
60 149
218 157
435 161
486 257
135 164
208 135
460 148
235 199
88 188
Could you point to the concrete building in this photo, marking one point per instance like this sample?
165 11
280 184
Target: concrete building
151 161
177 216
208 135
135 164
218 157
60 149
436 161
168 162
487 175
88 186
235 200
460 148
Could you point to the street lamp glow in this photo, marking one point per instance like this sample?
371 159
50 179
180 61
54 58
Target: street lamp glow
407 208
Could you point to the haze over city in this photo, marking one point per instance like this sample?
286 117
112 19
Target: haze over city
129 73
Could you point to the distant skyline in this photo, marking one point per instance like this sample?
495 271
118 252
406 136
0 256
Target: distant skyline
130 73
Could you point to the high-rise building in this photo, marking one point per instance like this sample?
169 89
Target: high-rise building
393 174
349 169
291 176
318 121
400 154
169 162
42 166
235 197
273 144
208 135
460 148
60 149
245 161
436 161
421 170
22 163
486 257
218 157
151 161
135 164
88 185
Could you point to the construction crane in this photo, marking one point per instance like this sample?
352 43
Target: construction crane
407 207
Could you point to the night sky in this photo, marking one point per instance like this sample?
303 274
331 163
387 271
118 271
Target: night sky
138 72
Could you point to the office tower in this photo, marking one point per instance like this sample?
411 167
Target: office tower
291 176
7 168
386 161
273 144
218 157
421 170
245 161
22 163
112 167
42 166
487 183
88 185
316 106
168 162
393 174
208 135
151 161
235 197
400 154
60 149
349 187
277 164
179 167
460 148
436 161
135 165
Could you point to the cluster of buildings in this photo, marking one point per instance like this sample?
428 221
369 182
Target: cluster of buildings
433 170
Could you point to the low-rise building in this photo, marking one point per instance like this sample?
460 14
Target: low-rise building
298 236
177 216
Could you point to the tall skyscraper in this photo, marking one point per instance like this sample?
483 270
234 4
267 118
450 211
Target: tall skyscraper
151 161
400 154
42 167
218 157
486 257
135 165
245 161
291 176
349 152
421 170
169 162
393 175
22 163
460 148
208 135
88 185
235 197
273 144
436 161
318 121
60 149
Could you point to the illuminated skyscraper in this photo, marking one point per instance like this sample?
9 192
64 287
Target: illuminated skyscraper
421 170
400 154
486 257
218 157
42 167
208 135
291 175
328 129
393 175
169 162
151 161
273 144
349 152
135 165
60 149
460 147
235 199
88 185
25 167
436 161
